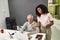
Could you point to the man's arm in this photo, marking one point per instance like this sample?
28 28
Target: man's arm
23 27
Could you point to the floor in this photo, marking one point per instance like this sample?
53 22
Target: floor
56 30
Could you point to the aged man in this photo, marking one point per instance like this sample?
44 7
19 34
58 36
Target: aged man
29 24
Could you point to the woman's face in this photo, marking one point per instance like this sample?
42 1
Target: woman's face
39 10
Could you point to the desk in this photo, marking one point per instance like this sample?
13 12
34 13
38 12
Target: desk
18 35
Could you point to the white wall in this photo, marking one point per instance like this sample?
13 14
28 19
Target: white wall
4 12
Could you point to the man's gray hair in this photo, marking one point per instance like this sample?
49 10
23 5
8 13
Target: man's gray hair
29 15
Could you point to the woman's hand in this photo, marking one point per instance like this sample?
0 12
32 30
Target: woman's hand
44 27
50 24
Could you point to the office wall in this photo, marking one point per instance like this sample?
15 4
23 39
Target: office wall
21 8
4 12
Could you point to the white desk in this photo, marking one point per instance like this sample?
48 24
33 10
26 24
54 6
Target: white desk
18 35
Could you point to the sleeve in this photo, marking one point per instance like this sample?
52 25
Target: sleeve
38 19
35 31
23 27
50 17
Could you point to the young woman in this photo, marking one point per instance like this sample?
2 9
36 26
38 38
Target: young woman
44 20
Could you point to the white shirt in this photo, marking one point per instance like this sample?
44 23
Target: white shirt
45 19
28 27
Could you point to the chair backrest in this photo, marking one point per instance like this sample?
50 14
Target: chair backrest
11 23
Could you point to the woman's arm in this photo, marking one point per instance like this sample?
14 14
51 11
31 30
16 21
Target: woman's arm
51 21
36 25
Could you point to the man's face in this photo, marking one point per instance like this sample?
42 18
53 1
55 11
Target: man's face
30 19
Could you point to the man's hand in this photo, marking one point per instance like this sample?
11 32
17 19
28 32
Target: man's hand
29 33
33 27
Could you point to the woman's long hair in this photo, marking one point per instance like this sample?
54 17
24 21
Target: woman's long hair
43 8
